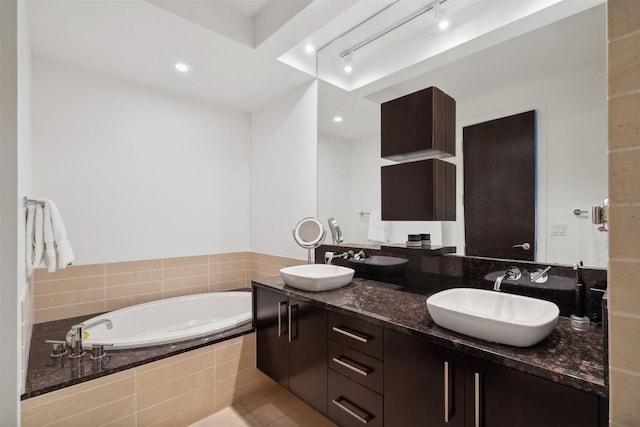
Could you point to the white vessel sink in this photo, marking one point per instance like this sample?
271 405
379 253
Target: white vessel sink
494 316
317 277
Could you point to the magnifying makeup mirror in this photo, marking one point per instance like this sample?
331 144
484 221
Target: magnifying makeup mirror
309 233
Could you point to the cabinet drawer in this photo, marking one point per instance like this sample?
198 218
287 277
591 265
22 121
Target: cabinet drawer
356 365
355 333
352 404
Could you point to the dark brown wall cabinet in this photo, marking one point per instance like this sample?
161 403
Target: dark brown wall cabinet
419 191
292 345
419 125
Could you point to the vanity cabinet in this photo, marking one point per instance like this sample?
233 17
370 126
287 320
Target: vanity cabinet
356 371
497 396
291 338
423 383
417 125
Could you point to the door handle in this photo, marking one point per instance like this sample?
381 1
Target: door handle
526 246
476 400
280 304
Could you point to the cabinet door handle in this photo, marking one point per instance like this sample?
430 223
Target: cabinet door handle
350 364
293 336
363 419
447 394
476 398
280 304
351 334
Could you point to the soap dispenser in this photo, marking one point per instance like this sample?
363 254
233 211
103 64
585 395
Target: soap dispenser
580 320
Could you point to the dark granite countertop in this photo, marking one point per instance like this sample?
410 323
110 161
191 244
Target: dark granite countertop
570 357
44 377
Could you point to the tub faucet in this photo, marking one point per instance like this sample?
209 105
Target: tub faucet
75 336
512 273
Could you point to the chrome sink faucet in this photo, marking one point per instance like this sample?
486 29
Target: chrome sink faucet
330 256
75 336
511 273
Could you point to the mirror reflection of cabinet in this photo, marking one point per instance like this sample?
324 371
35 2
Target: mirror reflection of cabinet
418 125
419 191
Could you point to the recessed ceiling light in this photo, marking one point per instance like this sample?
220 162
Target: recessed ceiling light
348 60
182 67
348 69
309 48
443 24
337 119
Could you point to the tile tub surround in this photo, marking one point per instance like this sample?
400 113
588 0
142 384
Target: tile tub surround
178 390
567 357
96 288
427 271
44 377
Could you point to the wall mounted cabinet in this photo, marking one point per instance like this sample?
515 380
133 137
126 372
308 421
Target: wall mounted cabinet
291 340
419 191
419 125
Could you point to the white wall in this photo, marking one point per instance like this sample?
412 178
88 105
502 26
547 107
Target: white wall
283 170
138 173
334 185
14 148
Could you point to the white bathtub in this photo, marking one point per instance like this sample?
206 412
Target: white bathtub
170 320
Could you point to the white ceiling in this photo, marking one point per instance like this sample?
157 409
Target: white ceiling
233 46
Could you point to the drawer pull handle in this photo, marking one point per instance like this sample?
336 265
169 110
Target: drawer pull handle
363 419
280 304
351 334
446 392
354 366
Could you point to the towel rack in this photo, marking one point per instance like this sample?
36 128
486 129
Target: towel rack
26 201
362 213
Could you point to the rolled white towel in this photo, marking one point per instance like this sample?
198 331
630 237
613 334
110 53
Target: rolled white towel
49 247
38 238
28 237
65 253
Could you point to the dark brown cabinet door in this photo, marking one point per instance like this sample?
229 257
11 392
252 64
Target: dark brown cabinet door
419 191
497 396
271 310
500 187
420 124
423 383
291 339
308 354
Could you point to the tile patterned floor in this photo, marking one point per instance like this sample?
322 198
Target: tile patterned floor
272 407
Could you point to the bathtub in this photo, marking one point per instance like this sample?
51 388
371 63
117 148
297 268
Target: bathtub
170 320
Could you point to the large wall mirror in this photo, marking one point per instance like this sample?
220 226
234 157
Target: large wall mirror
558 70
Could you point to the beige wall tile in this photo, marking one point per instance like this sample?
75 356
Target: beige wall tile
624 175
255 256
624 336
69 272
192 270
68 285
177 359
160 412
624 121
227 276
232 367
623 17
63 312
117 303
174 371
623 398
185 282
274 260
180 292
68 298
130 266
624 296
185 261
170 390
291 262
120 408
234 265
255 275
134 277
128 421
624 65
235 256
229 286
271 270
234 351
624 232
56 406
133 289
